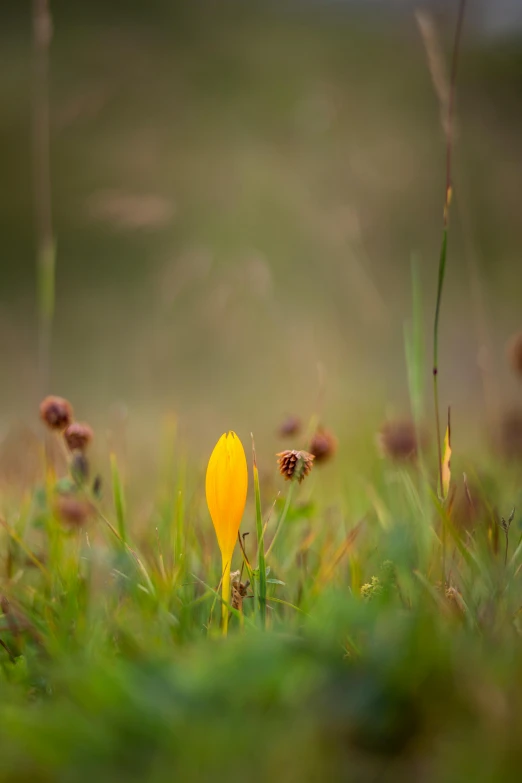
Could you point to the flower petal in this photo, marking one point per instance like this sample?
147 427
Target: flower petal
226 489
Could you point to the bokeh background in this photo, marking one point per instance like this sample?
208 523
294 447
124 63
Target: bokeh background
239 191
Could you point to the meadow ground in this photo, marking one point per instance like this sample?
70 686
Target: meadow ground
372 664
242 238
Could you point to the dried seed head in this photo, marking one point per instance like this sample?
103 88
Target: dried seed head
56 412
289 427
323 445
73 511
398 440
78 436
239 591
514 352
295 464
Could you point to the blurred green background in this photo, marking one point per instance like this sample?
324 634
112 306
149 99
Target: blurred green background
238 191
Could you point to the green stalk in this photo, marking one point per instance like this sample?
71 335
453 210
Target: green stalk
180 512
261 561
46 252
414 348
447 202
119 501
225 594
440 285
442 258
282 518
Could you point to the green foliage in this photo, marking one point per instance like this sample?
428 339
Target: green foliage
112 665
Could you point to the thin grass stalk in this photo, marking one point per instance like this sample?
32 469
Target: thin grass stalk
442 270
261 560
415 361
45 253
444 245
180 512
282 517
119 499
139 562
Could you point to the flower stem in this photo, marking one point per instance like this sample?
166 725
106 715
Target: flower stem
261 561
444 245
225 593
282 518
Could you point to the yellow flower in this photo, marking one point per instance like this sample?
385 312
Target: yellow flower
226 488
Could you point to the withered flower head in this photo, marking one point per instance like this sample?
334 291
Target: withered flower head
56 412
514 351
323 444
73 511
289 427
398 440
239 590
78 436
295 464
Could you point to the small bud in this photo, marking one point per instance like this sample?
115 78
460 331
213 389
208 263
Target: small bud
372 589
295 464
56 412
289 427
398 440
73 511
78 436
323 445
514 352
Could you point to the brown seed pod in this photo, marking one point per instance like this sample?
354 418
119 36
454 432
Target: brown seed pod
514 353
398 440
56 412
289 427
78 436
239 591
323 445
73 511
295 464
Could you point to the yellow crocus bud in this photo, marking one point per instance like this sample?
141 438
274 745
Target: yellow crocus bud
226 489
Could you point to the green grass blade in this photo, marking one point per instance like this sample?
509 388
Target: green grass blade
119 499
261 562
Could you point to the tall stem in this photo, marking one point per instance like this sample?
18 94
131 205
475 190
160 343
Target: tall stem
261 561
442 269
42 34
225 594
282 518
443 251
